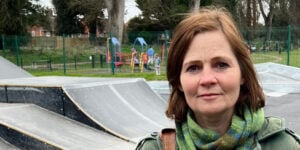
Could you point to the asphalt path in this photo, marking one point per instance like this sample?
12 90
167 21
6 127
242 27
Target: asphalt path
287 107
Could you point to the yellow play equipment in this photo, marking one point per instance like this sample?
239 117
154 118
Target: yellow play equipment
138 59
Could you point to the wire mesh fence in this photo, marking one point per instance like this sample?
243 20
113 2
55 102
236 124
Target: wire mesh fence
104 54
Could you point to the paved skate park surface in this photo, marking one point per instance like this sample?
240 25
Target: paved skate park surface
110 113
281 85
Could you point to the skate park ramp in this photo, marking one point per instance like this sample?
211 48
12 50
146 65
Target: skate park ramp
134 108
281 85
277 79
9 70
125 108
30 122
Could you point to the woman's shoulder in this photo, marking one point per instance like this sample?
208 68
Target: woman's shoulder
274 135
159 141
150 142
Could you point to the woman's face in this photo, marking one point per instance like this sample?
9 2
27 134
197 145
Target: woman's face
210 77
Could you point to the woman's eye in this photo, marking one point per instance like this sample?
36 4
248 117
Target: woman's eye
193 68
222 65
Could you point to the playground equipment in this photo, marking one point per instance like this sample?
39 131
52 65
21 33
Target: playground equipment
139 54
116 52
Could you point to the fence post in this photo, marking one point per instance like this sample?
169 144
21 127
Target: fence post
289 45
17 50
50 64
101 61
64 54
75 60
112 55
3 46
166 45
93 61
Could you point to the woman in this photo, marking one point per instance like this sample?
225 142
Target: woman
216 100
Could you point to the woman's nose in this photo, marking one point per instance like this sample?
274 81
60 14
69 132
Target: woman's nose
207 77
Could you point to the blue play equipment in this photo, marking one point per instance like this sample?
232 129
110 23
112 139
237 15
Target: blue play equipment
116 50
141 42
116 45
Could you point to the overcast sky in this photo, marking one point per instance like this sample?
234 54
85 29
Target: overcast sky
130 8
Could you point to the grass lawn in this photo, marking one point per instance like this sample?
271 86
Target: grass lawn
276 57
146 75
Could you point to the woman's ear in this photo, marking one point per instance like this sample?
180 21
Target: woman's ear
180 88
242 81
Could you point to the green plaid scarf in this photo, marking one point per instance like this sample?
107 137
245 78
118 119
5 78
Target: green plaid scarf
190 136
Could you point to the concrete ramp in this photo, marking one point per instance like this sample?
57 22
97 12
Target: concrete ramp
278 80
32 127
286 106
127 109
9 70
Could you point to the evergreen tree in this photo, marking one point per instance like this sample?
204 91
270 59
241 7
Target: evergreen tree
13 17
18 15
68 20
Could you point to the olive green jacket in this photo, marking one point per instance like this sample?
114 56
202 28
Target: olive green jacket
272 136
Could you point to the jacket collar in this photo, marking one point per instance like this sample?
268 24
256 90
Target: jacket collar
272 125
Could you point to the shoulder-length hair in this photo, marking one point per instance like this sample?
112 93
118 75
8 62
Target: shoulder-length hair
210 19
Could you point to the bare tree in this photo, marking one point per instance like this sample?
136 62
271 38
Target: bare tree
240 14
115 10
255 15
251 17
294 9
268 17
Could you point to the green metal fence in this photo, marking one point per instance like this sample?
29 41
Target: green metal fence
92 54
278 45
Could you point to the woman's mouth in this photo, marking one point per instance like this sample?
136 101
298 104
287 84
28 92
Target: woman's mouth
209 96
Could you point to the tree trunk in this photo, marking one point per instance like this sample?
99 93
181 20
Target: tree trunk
293 9
255 16
268 18
249 18
262 10
115 9
194 5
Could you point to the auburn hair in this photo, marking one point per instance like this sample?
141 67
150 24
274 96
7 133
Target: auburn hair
210 19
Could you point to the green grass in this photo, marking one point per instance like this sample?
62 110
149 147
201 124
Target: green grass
146 75
276 57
